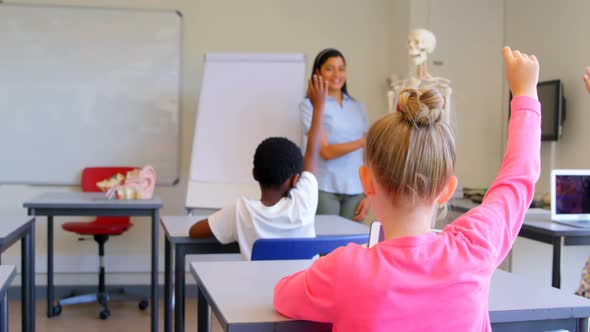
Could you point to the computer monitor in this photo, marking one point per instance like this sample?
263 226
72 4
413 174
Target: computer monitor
552 109
570 195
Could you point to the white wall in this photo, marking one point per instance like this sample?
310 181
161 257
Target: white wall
370 33
557 32
469 38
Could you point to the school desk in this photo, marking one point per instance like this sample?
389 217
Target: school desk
539 227
176 230
52 204
12 229
240 296
7 273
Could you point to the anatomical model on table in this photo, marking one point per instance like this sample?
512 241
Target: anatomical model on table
137 184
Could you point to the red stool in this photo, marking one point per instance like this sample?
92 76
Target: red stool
100 228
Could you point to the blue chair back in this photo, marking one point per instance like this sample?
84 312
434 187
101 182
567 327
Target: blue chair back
301 248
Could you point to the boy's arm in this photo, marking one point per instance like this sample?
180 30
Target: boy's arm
492 228
317 93
221 225
201 230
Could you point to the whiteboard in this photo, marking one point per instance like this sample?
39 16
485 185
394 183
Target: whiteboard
244 99
87 87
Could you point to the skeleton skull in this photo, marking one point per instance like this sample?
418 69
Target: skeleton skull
421 42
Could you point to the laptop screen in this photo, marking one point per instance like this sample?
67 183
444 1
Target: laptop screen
572 194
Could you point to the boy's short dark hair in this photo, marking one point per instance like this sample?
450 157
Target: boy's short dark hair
275 160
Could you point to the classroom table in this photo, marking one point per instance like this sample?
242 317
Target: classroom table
12 229
240 295
52 204
539 227
176 229
7 273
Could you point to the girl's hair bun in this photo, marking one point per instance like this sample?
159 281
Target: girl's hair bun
423 108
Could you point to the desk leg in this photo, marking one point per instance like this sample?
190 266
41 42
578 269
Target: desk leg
28 281
155 226
202 312
33 293
167 286
179 286
556 269
51 310
582 325
32 278
4 314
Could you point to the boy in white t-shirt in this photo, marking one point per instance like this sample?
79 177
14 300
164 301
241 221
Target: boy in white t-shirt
289 189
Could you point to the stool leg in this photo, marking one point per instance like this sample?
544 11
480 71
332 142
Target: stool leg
102 296
50 309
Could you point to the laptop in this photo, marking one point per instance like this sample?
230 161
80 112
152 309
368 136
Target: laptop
570 197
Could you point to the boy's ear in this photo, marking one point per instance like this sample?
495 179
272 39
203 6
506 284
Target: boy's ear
447 191
367 180
293 180
254 174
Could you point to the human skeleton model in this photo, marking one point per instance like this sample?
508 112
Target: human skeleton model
421 42
137 184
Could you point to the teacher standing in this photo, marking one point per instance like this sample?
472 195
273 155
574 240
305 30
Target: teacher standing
344 130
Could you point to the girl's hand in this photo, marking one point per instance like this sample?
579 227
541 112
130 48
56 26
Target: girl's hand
587 79
522 73
362 209
317 92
